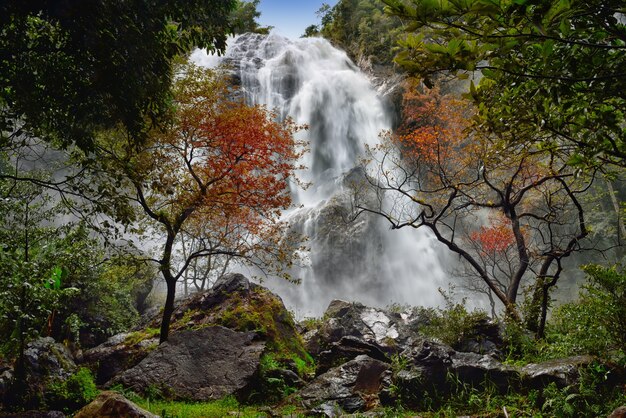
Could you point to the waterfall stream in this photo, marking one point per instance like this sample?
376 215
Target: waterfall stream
317 84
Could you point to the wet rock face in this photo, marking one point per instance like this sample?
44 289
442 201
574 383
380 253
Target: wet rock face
48 360
199 365
476 370
116 355
563 372
111 404
353 386
387 331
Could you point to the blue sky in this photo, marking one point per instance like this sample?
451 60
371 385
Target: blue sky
290 17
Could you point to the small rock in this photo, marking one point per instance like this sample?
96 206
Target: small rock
619 413
113 405
353 386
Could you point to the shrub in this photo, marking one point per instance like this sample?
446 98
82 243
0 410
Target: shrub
596 323
74 393
453 324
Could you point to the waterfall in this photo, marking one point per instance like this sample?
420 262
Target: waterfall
318 85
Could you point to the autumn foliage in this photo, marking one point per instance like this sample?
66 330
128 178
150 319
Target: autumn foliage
434 124
494 239
217 175
445 171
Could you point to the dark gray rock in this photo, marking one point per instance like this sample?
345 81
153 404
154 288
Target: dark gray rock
112 405
6 377
421 371
563 372
348 348
45 359
481 370
353 386
199 365
327 410
430 361
484 338
389 332
116 355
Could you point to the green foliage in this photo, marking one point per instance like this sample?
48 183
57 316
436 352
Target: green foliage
75 392
244 17
66 72
138 336
217 409
552 71
261 312
452 324
592 396
30 265
55 282
361 28
596 323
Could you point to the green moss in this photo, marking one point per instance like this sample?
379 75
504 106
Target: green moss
136 337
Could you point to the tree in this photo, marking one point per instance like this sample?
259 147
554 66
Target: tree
361 28
219 172
244 16
311 31
70 68
553 67
510 211
54 280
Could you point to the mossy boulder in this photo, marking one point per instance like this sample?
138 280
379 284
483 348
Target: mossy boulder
234 303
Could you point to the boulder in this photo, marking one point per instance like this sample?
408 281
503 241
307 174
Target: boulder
112 405
6 377
353 386
348 348
199 365
118 353
480 370
421 371
45 362
233 302
484 338
563 372
48 360
390 332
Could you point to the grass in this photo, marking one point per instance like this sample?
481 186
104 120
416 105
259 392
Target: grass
222 408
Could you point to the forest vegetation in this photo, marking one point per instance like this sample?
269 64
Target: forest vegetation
109 139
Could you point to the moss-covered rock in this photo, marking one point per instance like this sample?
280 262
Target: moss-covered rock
236 303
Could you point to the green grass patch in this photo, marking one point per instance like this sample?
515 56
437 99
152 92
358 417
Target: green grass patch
222 408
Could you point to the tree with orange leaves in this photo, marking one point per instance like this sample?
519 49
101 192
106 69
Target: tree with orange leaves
217 175
509 209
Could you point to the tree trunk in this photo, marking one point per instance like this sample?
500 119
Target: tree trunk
168 309
621 229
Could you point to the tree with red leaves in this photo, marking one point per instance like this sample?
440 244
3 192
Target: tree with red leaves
510 210
218 173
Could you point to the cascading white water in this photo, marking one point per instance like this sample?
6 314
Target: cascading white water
317 84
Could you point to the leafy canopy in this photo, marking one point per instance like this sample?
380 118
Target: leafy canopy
553 68
69 68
